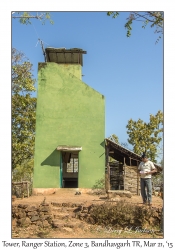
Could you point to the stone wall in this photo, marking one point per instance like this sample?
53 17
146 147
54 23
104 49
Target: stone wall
120 215
24 215
131 179
60 215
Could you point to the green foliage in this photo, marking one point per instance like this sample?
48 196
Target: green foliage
158 178
23 109
99 184
99 187
145 137
25 17
124 215
114 14
23 172
154 18
114 138
128 26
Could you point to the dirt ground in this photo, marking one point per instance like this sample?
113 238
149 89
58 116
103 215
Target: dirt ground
69 196
86 231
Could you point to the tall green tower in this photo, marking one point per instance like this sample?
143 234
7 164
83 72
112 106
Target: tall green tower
70 125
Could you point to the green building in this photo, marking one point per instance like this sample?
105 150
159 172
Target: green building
70 125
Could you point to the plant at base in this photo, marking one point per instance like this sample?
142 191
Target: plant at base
99 186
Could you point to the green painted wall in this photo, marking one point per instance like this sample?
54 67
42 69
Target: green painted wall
69 112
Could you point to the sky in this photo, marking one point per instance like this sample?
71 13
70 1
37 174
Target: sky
103 36
127 71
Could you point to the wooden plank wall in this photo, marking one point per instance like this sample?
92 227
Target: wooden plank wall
116 177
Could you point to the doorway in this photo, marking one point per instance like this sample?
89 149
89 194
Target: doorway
70 168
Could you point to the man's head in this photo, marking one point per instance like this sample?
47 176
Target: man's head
144 157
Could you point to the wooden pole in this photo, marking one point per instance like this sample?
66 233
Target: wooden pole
124 175
27 190
138 177
108 169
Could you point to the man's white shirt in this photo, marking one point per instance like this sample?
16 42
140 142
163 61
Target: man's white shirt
146 167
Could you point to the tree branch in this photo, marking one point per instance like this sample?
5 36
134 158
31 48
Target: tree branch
37 17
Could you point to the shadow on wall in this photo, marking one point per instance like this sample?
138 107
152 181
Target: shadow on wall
52 160
102 144
101 155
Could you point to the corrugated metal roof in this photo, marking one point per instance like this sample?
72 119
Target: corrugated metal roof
65 56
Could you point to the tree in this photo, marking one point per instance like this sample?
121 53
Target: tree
23 172
23 104
154 18
146 137
158 178
25 17
114 138
23 109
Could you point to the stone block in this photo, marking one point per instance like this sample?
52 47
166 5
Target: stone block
44 204
58 224
24 222
31 208
35 218
67 229
39 223
21 215
56 204
44 209
33 213
24 206
46 223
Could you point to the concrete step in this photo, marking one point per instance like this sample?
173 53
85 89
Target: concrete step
67 190
64 212
56 210
57 223
62 216
66 204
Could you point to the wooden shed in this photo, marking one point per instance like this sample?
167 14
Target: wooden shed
122 174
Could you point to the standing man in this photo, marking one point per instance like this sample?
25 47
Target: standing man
146 169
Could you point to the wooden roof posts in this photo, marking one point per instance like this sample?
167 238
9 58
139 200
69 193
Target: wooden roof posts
124 181
138 179
119 152
65 56
127 179
107 173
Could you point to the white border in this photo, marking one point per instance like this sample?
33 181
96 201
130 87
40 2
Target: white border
5 93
